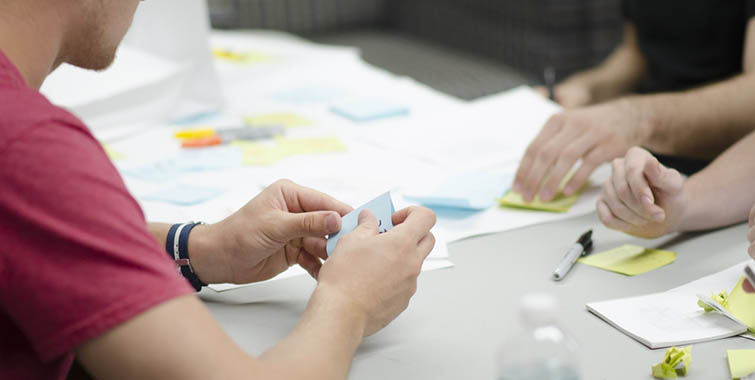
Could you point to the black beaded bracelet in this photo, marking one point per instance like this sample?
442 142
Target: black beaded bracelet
177 247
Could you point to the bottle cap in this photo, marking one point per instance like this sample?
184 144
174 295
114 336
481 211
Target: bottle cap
538 308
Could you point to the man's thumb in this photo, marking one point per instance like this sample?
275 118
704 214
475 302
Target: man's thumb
314 224
367 223
661 177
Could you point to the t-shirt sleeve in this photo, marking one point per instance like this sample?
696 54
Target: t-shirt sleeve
750 8
626 10
76 258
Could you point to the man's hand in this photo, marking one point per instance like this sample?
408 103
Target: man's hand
642 198
284 225
594 134
377 273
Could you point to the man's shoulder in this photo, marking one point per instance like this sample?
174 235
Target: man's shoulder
24 109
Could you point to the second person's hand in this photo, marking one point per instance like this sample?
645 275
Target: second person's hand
642 198
595 134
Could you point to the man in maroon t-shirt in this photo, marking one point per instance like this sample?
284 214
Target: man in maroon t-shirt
84 277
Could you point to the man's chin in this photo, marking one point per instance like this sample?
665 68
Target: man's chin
93 61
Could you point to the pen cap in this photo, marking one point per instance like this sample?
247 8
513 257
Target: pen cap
538 308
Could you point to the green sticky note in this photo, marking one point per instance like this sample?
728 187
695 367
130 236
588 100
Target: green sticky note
561 203
292 147
266 154
630 260
113 154
675 363
742 305
248 57
285 119
741 363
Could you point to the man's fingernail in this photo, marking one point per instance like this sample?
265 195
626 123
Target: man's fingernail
546 195
647 200
332 223
517 188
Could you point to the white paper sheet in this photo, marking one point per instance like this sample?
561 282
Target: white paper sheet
673 318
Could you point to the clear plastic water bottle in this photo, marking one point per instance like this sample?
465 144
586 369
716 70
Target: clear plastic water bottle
540 350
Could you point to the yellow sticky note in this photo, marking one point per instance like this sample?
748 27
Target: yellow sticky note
630 259
241 57
263 154
741 363
742 305
286 119
291 147
113 154
675 363
561 203
255 154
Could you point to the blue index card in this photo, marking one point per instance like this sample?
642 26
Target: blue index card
363 110
474 190
184 195
383 209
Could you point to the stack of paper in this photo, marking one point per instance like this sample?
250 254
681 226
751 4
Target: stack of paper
673 318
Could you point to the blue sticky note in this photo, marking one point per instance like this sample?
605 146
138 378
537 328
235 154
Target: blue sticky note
369 109
205 159
475 190
184 195
383 209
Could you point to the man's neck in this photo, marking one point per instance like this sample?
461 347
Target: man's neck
31 37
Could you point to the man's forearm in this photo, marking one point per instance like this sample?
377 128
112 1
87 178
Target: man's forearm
323 344
722 194
699 123
203 252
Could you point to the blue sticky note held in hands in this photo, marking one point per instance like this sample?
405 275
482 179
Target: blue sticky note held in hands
184 195
369 109
383 209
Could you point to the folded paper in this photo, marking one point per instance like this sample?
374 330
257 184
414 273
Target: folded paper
675 363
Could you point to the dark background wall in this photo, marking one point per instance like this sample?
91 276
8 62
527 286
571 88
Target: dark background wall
467 48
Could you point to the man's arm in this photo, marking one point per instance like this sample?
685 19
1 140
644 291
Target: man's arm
180 340
698 123
703 122
366 282
618 74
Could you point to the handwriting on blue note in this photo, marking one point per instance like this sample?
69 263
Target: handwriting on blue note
473 190
363 110
383 209
184 195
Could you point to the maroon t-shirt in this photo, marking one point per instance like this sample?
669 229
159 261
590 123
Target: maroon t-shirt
76 258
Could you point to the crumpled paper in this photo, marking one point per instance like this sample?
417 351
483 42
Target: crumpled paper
676 363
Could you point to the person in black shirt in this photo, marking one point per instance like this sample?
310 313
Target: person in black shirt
681 84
